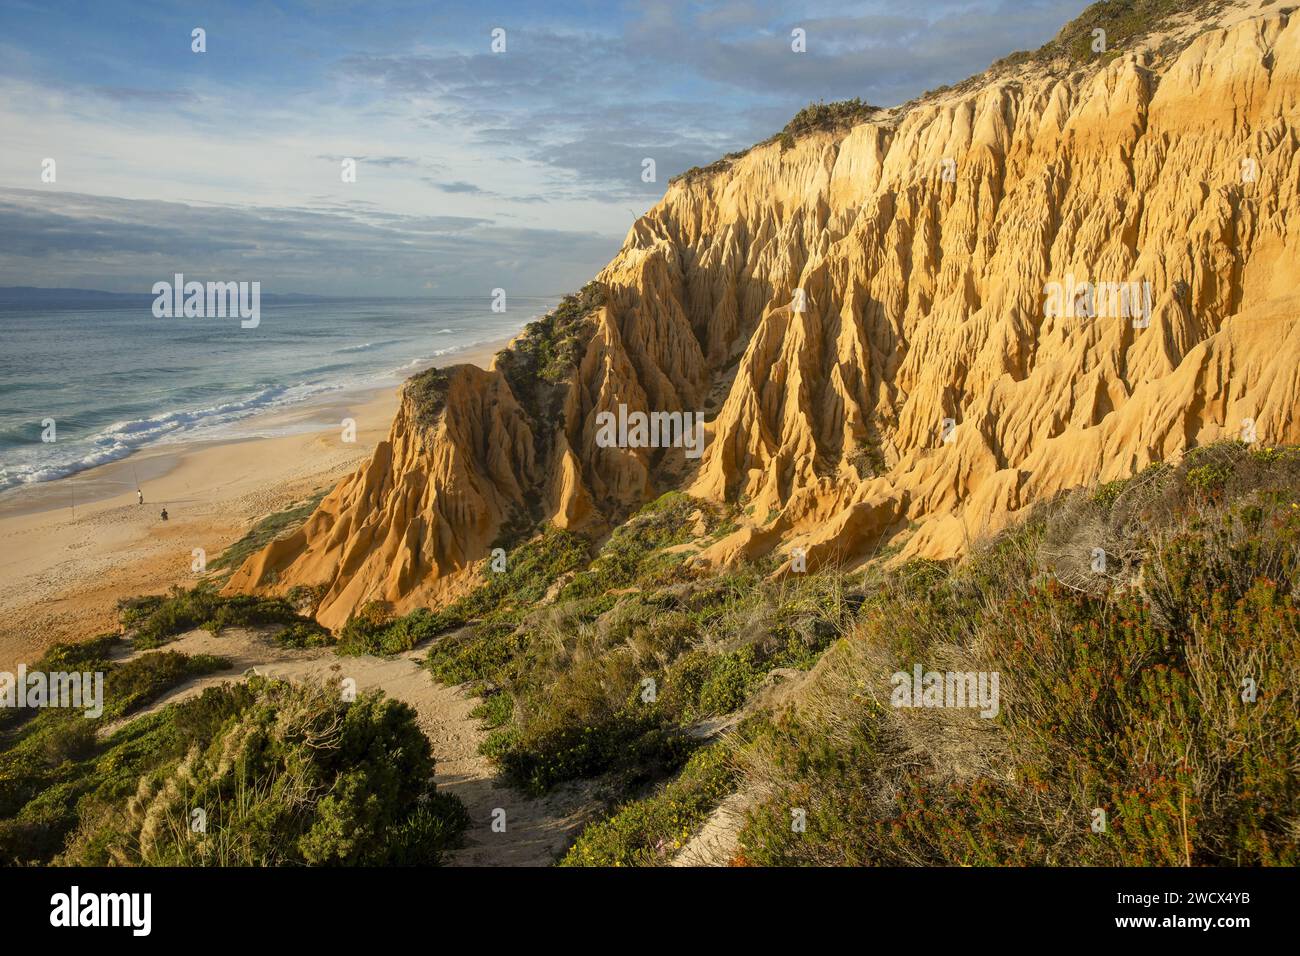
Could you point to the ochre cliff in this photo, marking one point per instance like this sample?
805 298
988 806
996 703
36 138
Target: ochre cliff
862 316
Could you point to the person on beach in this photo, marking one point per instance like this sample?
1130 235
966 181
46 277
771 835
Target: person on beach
139 495
164 514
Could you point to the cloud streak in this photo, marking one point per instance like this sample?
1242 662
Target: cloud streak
464 156
125 245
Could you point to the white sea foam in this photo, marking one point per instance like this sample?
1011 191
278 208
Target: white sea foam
200 381
119 439
365 346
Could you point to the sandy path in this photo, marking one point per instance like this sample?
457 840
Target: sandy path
716 842
537 831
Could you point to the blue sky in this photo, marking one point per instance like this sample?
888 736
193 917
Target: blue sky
475 169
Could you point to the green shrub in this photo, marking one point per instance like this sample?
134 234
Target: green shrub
265 531
828 116
632 740
1125 21
649 831
366 629
139 681
436 824
427 392
495 710
52 759
302 634
155 619
548 348
293 775
729 681
69 740
482 655
1127 699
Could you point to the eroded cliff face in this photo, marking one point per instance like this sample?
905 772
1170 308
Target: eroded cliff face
863 318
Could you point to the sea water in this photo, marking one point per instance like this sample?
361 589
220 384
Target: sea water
113 378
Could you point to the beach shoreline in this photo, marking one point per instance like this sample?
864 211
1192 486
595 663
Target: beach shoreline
72 547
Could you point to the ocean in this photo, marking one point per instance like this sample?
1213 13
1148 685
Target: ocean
113 378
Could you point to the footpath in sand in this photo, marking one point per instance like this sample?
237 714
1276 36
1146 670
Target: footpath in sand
537 830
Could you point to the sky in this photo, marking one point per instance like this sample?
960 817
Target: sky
476 168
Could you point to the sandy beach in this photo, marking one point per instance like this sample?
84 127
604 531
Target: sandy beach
69 549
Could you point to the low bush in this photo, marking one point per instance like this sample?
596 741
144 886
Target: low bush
153 620
265 531
605 675
290 774
51 759
1145 720
649 831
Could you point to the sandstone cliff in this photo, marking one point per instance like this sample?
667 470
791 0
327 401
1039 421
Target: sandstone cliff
864 315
